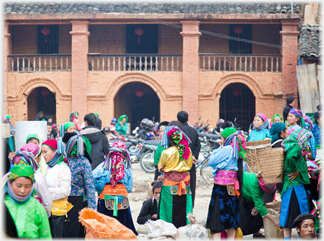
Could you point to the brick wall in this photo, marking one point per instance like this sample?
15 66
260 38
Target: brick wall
211 44
170 40
24 39
106 39
266 33
65 39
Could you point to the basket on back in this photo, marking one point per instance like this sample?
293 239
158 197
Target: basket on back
269 161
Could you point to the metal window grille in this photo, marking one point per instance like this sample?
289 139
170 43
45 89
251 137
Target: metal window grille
237 101
238 47
48 44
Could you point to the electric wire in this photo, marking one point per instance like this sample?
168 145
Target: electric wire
223 35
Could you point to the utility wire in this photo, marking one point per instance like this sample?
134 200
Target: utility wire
223 35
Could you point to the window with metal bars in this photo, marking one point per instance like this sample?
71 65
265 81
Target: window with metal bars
240 31
48 39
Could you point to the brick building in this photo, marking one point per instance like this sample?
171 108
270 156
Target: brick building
150 59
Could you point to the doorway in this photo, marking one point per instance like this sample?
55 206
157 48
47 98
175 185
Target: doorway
237 101
137 101
41 99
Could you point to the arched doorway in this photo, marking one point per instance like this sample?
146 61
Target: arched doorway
237 101
137 101
41 99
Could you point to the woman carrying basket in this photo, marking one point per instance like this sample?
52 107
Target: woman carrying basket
295 199
224 207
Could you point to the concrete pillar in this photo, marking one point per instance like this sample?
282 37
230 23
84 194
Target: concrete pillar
190 60
5 67
289 35
80 46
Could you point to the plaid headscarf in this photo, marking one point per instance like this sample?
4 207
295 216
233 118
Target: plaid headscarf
116 160
237 141
265 125
181 140
299 114
76 145
308 123
299 137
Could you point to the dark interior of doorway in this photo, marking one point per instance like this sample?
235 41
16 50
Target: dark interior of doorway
137 108
237 101
41 99
145 43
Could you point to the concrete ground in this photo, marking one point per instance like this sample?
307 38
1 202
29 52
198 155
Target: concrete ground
142 182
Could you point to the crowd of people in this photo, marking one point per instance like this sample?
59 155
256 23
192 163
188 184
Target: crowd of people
48 184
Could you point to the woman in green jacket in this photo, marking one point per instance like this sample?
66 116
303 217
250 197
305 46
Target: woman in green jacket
122 126
252 209
295 199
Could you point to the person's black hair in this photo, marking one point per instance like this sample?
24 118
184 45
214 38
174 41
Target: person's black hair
90 119
176 123
156 185
319 107
298 225
182 116
290 99
49 124
240 178
280 133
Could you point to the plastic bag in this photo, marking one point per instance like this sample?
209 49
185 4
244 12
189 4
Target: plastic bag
98 225
160 228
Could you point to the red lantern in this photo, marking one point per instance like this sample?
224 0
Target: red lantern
46 31
139 31
45 92
139 93
238 30
237 92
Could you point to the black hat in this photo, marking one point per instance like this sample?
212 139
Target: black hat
163 123
303 217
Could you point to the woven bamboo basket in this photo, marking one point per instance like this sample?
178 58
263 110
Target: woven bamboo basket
271 162
274 205
252 148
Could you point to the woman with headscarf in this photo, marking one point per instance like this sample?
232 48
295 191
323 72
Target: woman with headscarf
277 118
82 183
311 150
122 126
224 206
295 199
33 138
295 120
260 129
175 163
68 127
27 213
74 118
113 182
317 130
278 132
29 154
252 209
58 179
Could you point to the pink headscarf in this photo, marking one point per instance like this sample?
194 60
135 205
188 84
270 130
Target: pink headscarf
30 147
263 116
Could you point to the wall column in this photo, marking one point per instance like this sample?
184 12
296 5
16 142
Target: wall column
190 69
5 68
289 35
80 46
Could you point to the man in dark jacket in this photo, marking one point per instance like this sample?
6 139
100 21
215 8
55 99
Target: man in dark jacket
290 101
99 142
194 146
149 208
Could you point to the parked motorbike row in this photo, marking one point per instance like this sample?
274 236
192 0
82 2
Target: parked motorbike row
142 144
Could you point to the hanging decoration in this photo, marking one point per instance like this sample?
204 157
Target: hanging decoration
139 31
238 30
45 92
46 31
139 93
237 92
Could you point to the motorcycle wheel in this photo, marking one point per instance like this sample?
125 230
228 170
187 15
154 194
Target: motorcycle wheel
147 161
206 172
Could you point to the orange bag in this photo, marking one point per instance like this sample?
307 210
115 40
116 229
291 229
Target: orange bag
100 226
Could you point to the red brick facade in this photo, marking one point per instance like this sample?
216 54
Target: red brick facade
192 89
